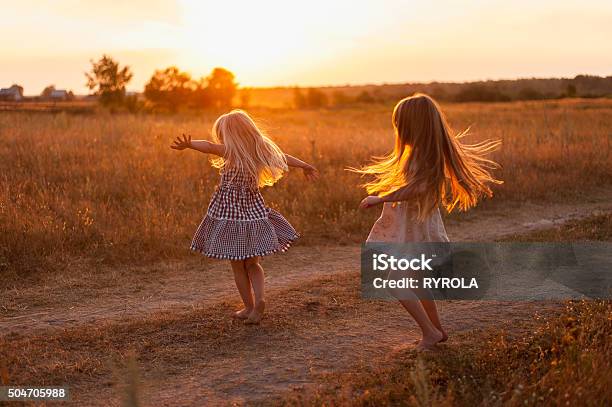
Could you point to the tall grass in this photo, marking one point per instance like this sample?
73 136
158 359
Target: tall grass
563 360
108 188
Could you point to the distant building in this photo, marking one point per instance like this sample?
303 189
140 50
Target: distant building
13 94
55 95
59 94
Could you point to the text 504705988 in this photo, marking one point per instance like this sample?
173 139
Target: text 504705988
23 393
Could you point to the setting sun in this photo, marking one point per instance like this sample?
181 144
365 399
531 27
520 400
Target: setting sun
284 43
271 41
322 202
250 39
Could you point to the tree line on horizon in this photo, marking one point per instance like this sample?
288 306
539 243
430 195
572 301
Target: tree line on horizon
583 86
168 90
172 90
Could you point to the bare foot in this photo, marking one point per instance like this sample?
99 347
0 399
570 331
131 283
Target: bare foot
242 314
257 314
444 337
428 343
422 348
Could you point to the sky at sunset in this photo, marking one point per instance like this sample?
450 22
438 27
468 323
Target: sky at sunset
315 42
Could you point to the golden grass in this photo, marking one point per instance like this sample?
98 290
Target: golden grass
565 352
596 227
93 357
562 360
108 188
75 106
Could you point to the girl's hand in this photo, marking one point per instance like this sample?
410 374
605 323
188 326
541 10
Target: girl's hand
182 143
370 201
311 173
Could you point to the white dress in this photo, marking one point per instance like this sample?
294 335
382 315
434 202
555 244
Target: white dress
398 224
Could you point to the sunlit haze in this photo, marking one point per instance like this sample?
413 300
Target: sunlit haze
316 42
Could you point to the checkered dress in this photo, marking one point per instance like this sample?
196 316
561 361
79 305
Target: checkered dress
238 225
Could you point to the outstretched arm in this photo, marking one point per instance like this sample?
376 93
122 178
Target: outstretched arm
310 172
203 146
402 194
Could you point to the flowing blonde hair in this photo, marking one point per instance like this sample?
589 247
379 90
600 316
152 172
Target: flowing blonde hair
247 148
431 162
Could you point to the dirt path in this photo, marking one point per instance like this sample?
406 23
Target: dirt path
80 295
202 357
362 334
316 325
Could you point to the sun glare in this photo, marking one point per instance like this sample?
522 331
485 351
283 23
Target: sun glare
245 37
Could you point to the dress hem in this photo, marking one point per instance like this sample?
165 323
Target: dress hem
283 248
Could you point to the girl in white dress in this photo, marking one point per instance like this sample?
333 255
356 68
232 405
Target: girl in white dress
429 167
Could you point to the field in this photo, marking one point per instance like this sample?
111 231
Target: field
99 290
163 336
108 188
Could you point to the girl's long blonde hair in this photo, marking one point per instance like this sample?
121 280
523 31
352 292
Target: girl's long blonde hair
432 162
247 148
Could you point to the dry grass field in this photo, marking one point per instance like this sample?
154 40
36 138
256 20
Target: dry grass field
100 292
559 356
108 188
559 359
321 345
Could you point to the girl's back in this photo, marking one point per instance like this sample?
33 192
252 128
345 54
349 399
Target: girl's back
398 224
238 225
429 167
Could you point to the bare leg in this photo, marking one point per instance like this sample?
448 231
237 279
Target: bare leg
431 335
256 275
432 312
244 288
411 302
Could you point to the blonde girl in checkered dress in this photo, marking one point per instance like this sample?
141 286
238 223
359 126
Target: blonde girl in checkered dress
238 226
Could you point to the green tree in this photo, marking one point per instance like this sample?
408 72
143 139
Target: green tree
221 88
340 98
108 80
480 93
46 93
299 101
245 97
529 93
170 89
201 97
364 97
438 92
316 98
